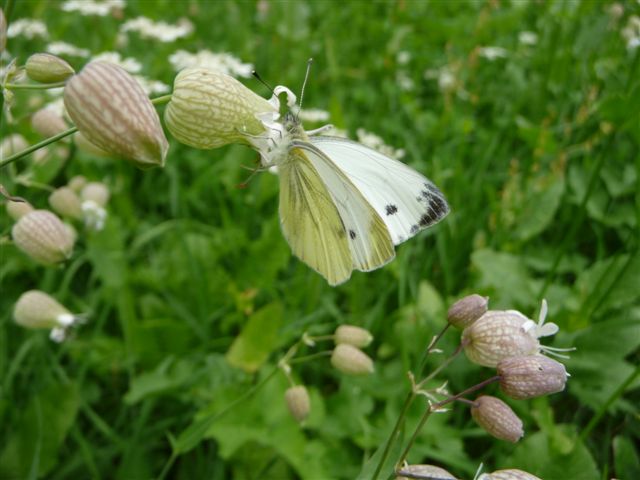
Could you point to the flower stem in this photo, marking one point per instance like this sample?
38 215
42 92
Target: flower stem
469 390
6 161
306 358
33 86
423 420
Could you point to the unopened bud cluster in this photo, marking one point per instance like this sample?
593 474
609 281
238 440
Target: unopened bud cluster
347 356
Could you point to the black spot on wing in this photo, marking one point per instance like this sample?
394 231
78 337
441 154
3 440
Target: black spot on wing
390 209
414 229
352 234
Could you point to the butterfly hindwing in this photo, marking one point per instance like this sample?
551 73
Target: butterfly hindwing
405 199
325 218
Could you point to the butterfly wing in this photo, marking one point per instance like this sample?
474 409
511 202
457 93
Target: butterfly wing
326 220
405 199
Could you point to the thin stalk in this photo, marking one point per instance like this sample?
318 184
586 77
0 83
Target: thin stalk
423 420
312 356
441 367
6 161
8 10
469 390
33 86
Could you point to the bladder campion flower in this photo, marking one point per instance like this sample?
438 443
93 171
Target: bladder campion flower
467 310
42 236
111 109
298 402
351 360
38 310
18 209
508 474
352 335
66 202
497 418
423 471
47 68
209 109
531 376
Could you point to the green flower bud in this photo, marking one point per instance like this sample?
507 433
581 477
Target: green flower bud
497 335
48 123
298 402
351 360
18 209
508 474
423 471
42 236
95 192
110 108
467 310
497 418
47 68
352 335
531 376
209 109
66 202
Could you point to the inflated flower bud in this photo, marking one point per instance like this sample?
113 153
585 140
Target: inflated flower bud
111 109
209 109
497 335
48 123
95 192
18 209
497 418
352 335
3 31
351 360
467 310
47 68
531 376
12 144
42 235
66 202
423 471
508 474
36 309
298 402
77 183
86 146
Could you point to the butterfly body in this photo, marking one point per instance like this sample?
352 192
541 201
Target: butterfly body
344 206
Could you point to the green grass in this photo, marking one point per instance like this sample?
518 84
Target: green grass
538 154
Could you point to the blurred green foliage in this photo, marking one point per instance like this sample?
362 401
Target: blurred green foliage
193 294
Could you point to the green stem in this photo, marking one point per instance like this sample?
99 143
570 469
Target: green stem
33 86
394 433
423 420
6 161
161 100
306 358
8 10
469 390
441 367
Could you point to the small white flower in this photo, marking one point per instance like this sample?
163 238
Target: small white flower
131 65
492 53
528 38
631 32
28 28
220 62
94 215
161 31
375 142
151 86
63 48
90 7
403 57
405 82
313 115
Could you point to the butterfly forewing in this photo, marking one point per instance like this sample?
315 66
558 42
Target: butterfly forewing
405 199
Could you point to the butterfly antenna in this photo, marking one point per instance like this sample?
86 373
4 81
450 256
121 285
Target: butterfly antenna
304 84
259 78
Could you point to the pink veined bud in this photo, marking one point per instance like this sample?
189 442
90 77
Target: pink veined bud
12 144
497 418
467 310
66 202
497 335
352 335
38 310
47 68
531 376
508 474
423 471
111 109
298 402
351 360
48 123
18 209
42 236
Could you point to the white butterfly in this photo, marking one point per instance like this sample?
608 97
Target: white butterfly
343 206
